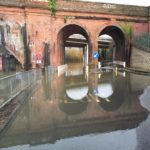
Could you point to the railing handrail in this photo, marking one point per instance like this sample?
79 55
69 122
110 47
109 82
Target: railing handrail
13 85
9 76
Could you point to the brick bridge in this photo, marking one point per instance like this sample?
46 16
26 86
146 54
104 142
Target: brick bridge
28 29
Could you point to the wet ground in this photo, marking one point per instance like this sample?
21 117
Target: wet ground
81 110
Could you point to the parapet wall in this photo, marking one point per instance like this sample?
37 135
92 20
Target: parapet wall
103 8
92 7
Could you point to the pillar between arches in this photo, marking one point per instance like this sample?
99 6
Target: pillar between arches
94 48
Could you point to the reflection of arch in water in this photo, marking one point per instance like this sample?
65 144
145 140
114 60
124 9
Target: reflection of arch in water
105 90
114 98
73 107
77 93
111 103
75 100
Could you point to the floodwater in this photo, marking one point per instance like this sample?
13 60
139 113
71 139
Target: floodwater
83 110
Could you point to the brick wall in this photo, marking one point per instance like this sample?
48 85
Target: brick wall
102 8
83 7
149 17
92 17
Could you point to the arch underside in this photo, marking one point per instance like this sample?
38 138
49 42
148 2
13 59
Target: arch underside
115 32
119 39
64 35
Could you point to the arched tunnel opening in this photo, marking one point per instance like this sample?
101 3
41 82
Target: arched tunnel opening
106 49
111 44
73 45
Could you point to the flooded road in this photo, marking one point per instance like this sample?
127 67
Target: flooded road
81 110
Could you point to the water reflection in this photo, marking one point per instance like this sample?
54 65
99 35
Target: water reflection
77 106
47 86
114 92
143 131
71 107
77 93
105 90
73 100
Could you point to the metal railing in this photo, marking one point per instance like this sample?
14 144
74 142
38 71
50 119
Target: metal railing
13 85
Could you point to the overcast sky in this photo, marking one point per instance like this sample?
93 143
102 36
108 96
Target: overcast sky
130 2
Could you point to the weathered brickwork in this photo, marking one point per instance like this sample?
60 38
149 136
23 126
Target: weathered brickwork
103 8
82 7
90 19
12 23
149 18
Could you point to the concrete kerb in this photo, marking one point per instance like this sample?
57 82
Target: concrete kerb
136 70
133 70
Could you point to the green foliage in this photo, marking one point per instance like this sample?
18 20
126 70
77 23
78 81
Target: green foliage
52 5
128 31
143 42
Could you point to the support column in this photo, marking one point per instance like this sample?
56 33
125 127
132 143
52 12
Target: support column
86 55
94 48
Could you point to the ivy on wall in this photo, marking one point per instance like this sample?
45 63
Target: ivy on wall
128 31
52 5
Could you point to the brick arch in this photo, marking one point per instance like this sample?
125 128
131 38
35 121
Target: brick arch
67 31
118 36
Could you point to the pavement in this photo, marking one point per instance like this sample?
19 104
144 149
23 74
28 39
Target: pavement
137 70
140 60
